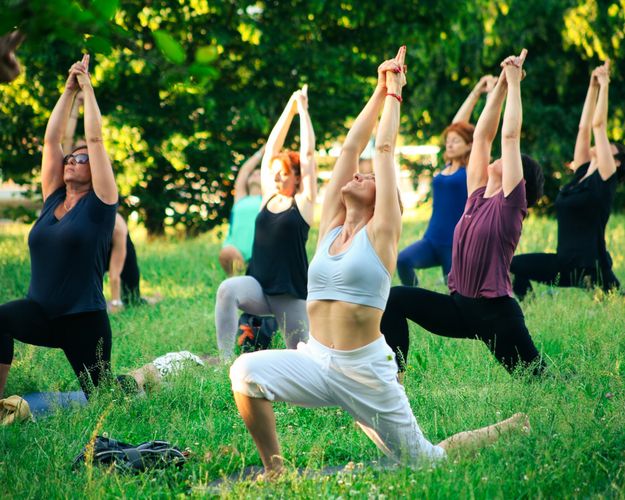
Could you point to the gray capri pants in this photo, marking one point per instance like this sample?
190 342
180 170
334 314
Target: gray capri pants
245 293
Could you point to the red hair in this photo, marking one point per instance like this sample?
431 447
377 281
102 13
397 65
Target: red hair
465 131
290 161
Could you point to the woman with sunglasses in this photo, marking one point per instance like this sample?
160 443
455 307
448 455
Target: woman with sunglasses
582 207
69 246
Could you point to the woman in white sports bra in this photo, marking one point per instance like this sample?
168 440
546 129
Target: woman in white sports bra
346 361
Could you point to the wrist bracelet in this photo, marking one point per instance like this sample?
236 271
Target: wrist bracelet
396 96
117 303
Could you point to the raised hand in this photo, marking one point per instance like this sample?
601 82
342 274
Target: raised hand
84 79
486 84
513 67
602 73
78 69
396 79
301 97
388 65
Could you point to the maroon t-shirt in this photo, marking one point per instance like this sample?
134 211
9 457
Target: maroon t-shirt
484 242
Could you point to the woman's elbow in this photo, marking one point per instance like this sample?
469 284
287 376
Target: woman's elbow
599 124
511 136
384 147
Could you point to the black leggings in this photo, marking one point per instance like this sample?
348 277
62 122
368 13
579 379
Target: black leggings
84 337
546 268
130 291
130 277
498 322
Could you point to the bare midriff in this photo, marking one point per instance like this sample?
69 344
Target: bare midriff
341 325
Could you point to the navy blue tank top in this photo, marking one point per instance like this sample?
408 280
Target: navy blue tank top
68 257
279 261
449 196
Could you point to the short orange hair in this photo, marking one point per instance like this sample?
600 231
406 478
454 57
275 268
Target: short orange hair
464 130
290 161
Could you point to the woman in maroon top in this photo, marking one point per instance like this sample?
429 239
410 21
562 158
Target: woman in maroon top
481 304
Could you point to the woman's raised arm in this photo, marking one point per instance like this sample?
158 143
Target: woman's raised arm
386 222
356 141
274 144
240 183
52 158
72 121
582 143
117 260
485 85
605 159
484 135
306 198
102 176
512 166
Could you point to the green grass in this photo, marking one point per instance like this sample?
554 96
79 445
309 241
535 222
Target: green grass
576 448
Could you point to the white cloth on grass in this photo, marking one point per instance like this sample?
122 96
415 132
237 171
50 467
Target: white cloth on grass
362 381
173 362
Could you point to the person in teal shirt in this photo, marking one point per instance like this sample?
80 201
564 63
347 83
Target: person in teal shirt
237 249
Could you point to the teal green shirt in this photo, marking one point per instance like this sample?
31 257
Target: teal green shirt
242 220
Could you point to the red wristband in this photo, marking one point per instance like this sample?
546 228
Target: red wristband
396 96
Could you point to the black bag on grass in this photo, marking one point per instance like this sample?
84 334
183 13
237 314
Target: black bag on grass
255 332
128 457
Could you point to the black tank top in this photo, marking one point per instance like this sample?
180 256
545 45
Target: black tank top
583 209
279 261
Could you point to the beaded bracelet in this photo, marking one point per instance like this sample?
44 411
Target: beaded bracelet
396 96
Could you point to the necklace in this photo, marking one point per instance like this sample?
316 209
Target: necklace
67 209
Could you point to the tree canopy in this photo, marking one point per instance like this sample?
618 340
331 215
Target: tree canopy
188 88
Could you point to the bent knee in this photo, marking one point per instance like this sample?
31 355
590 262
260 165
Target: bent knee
394 297
226 292
246 376
230 253
403 259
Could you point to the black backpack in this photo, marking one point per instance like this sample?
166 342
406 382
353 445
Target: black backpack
255 332
128 457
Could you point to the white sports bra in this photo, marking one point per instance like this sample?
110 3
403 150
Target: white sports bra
356 275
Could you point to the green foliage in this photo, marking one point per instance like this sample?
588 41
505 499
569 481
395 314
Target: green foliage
200 83
170 48
575 448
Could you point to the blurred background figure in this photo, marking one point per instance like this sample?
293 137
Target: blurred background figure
237 249
9 66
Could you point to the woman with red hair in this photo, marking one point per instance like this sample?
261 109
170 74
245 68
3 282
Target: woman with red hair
449 195
276 278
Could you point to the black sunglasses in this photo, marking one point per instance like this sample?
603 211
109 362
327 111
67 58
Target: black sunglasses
79 158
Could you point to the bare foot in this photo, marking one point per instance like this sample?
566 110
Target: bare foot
153 299
520 421
211 360
269 476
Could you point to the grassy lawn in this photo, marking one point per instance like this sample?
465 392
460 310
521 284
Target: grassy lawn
576 448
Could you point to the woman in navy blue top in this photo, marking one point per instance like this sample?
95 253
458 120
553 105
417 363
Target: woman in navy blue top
449 195
69 245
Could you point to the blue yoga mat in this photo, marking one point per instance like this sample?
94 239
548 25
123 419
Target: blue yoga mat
44 403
